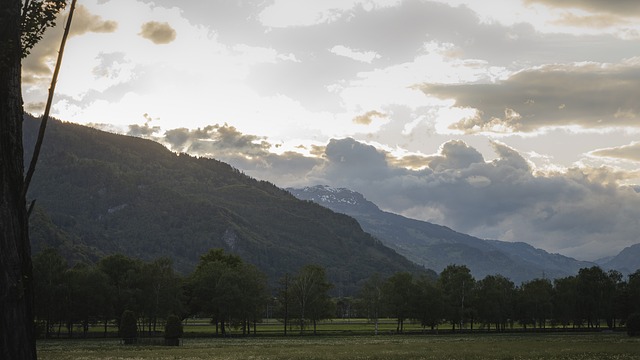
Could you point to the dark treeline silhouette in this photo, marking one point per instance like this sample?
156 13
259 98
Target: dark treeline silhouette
234 294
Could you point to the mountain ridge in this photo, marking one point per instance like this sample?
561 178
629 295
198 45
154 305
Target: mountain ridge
436 246
100 193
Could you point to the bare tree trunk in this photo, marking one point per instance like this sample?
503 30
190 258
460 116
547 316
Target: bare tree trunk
17 338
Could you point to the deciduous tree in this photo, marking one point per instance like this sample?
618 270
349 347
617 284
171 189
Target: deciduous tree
310 294
457 285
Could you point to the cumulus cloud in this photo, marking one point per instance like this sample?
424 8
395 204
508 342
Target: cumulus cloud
158 32
250 153
455 154
586 96
581 212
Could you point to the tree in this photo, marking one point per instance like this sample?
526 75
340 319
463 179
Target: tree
633 293
17 338
371 296
429 304
565 301
495 295
594 291
128 327
283 299
310 294
48 272
123 274
173 330
226 289
161 291
534 302
457 286
633 324
398 297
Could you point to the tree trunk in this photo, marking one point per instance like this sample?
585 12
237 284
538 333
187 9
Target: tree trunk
17 338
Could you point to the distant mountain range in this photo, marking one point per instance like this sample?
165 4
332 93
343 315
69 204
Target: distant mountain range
435 246
99 193
627 261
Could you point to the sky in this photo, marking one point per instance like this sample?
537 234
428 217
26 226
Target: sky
516 120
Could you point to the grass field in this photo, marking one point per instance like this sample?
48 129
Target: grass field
478 346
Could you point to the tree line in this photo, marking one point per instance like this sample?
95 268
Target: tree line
236 295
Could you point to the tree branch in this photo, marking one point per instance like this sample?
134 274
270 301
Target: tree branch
45 116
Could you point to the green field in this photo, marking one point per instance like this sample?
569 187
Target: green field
478 346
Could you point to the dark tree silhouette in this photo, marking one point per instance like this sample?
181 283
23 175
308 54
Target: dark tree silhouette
20 28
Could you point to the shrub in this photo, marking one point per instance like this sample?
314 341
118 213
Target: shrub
128 327
633 324
173 330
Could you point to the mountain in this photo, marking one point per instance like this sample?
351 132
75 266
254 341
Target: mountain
435 247
99 193
627 261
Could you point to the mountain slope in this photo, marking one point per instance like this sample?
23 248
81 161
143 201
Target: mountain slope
99 193
435 246
627 261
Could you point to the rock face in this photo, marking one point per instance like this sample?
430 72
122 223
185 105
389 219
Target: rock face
435 246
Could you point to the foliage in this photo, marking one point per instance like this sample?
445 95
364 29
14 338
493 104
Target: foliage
226 289
310 294
457 284
173 327
128 328
235 295
633 324
37 16
397 296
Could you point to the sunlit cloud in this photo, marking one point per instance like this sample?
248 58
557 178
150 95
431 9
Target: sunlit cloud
626 152
157 32
587 95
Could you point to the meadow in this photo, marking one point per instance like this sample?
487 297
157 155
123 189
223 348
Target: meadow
475 346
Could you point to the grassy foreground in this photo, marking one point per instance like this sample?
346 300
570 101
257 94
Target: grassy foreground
509 346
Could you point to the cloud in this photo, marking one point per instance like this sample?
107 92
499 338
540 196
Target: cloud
626 152
250 153
599 21
626 8
586 96
367 118
307 13
36 67
455 154
581 212
363 56
157 32
84 22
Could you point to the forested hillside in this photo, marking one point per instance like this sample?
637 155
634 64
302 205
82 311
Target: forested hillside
99 193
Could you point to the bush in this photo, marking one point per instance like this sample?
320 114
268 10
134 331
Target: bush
128 327
173 331
633 324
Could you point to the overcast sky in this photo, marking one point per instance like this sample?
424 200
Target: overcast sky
504 119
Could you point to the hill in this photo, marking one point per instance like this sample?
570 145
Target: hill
435 246
99 193
627 261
